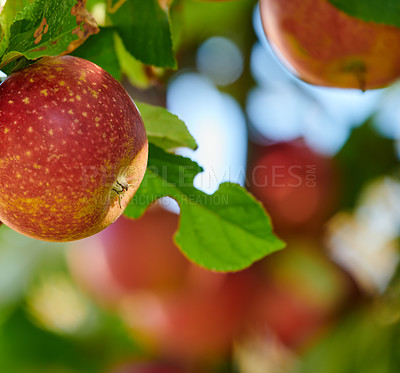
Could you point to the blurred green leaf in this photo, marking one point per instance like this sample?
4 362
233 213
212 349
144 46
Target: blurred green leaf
365 156
145 31
100 49
378 11
21 258
223 18
26 348
359 343
164 129
225 231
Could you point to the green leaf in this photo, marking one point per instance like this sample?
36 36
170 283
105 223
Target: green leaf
166 175
100 49
225 231
164 129
7 16
134 70
41 28
378 11
145 31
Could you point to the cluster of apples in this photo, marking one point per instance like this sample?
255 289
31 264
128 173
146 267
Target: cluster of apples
172 306
73 149
183 313
327 47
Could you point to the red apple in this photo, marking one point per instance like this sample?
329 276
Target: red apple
73 149
330 48
296 185
179 309
300 292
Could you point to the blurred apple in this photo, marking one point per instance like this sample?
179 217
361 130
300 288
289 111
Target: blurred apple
300 292
170 304
297 186
328 47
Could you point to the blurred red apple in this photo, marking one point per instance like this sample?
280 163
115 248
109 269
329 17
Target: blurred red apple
73 149
330 48
300 292
296 185
169 303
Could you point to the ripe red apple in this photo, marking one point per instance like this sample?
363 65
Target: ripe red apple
296 185
175 307
330 48
73 149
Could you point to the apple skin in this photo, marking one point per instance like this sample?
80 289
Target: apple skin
330 48
69 132
174 307
297 186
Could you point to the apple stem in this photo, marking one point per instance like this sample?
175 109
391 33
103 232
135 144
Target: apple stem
361 76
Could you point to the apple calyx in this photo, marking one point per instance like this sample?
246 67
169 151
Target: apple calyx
120 187
359 69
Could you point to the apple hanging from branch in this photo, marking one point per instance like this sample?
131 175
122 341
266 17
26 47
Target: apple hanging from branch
73 149
330 48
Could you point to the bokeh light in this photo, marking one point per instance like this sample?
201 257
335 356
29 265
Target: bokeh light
220 59
218 125
364 242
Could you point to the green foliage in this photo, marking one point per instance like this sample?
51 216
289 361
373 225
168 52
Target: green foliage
45 28
386 12
165 129
360 343
144 29
377 152
225 231
44 351
42 28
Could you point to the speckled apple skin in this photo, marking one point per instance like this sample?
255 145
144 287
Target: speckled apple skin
330 48
68 132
